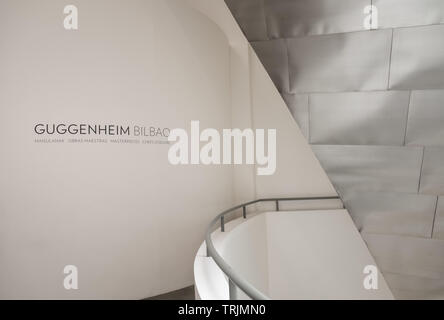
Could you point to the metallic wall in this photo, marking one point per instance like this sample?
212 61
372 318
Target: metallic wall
371 103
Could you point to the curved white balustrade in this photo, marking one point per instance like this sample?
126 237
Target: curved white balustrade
311 254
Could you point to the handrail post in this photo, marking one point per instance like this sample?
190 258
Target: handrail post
277 205
222 224
244 212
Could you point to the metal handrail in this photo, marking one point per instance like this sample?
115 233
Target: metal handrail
234 279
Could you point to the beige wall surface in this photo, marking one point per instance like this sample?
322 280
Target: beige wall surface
129 220
298 172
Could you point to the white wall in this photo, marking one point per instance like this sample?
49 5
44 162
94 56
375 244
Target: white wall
318 255
122 214
126 218
307 254
298 171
